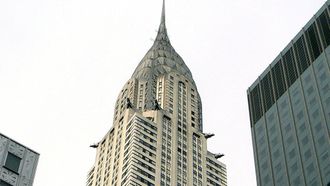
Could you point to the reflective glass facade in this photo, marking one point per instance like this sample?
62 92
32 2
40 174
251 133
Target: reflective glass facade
289 108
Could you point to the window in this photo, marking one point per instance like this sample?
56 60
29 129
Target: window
301 53
12 162
323 23
256 104
290 67
267 91
278 78
313 42
3 183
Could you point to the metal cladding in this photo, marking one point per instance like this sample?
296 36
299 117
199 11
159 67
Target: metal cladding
161 59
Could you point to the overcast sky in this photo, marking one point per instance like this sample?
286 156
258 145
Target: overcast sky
63 63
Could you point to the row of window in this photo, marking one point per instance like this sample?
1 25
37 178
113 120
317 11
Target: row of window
166 152
182 135
128 91
197 160
195 105
139 152
291 65
117 153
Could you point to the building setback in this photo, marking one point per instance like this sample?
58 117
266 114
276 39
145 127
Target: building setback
18 163
157 134
289 108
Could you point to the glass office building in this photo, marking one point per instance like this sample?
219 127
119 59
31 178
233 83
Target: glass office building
289 108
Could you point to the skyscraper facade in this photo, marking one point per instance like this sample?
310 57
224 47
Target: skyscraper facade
157 134
289 108
18 163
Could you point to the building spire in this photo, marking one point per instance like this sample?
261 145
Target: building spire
162 21
162 33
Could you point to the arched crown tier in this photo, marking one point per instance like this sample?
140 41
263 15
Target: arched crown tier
161 57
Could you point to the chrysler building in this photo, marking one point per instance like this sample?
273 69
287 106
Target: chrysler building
157 136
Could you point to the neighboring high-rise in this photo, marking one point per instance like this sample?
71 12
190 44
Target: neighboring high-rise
18 163
157 134
289 107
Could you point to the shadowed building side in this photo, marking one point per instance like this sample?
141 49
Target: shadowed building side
289 108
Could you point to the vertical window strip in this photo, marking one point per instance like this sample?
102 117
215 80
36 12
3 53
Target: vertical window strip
323 22
267 91
313 42
256 104
278 79
301 53
290 67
